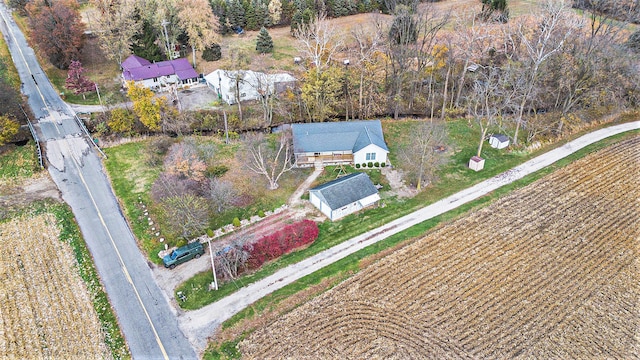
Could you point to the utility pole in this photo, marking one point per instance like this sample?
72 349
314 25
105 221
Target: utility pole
346 63
166 37
226 129
214 284
99 98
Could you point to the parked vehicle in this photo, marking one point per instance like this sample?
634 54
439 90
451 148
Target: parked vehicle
183 254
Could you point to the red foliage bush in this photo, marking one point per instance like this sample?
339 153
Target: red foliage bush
281 242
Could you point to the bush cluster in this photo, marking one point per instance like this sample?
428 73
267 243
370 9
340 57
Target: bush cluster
281 242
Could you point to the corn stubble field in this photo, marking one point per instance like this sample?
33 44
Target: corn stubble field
549 271
45 308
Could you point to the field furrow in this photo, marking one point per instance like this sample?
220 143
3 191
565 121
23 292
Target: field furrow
549 271
45 308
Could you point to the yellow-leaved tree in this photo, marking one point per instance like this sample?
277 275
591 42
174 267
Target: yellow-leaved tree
145 106
8 129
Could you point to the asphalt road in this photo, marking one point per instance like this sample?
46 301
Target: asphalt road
146 318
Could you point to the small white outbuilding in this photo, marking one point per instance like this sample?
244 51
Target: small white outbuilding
499 141
476 163
344 196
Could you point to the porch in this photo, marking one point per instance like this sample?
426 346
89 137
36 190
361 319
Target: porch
308 160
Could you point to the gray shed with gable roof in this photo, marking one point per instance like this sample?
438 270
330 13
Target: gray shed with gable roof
343 196
345 142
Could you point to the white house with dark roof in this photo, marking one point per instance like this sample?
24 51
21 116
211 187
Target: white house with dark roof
332 143
344 196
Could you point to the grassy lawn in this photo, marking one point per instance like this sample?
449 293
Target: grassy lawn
8 72
132 178
19 163
353 263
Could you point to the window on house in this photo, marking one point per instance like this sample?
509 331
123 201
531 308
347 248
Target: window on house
155 79
243 95
371 156
316 154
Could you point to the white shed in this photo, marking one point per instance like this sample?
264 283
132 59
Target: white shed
476 163
499 141
343 196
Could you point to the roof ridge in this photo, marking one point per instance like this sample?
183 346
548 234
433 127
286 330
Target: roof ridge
366 128
336 182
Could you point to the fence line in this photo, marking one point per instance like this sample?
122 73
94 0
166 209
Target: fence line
35 137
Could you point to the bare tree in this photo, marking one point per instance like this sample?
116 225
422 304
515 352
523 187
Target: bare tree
231 258
267 97
238 58
475 40
539 45
368 42
318 41
487 100
424 152
187 212
590 58
269 160
221 193
410 42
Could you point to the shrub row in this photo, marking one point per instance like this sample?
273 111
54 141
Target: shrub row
281 242
371 165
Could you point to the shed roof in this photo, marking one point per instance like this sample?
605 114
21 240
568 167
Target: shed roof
337 136
500 137
345 190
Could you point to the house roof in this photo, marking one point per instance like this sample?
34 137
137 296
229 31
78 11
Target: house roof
337 136
500 137
345 190
136 68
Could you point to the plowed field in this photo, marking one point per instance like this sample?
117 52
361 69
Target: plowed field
45 309
550 271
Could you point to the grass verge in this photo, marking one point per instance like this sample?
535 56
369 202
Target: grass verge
131 180
351 264
8 71
19 163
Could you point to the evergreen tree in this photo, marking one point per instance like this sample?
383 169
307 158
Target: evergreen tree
212 53
220 9
264 43
262 14
251 16
144 43
296 20
236 15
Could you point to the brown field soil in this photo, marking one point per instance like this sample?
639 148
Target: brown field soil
549 271
45 308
